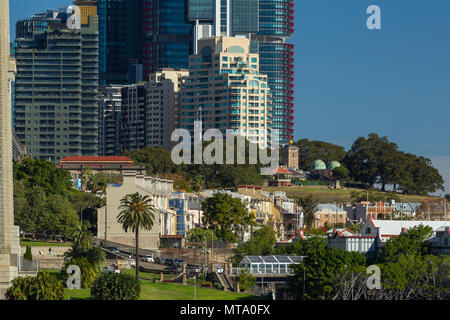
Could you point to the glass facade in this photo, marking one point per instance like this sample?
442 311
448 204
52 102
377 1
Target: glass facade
201 9
120 35
167 35
276 25
177 204
245 16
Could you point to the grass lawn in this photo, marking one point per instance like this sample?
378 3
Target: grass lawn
35 243
325 195
164 291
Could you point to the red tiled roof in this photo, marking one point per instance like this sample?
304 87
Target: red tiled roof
280 170
89 159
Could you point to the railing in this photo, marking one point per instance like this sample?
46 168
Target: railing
252 271
27 265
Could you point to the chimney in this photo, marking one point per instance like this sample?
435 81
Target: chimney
129 177
148 182
140 180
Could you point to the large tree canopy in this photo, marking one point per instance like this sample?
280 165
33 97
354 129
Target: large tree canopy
228 217
309 151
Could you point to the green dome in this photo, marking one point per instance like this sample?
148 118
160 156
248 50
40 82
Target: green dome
319 165
333 165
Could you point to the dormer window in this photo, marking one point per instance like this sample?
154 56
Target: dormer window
368 230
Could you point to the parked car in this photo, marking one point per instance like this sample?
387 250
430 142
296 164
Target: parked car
169 262
114 250
195 269
133 263
218 269
173 268
179 263
149 258
111 269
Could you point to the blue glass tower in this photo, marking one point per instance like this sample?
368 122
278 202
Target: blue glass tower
167 35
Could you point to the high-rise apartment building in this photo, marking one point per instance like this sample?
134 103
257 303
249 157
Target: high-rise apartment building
56 88
268 23
134 115
162 106
226 90
110 120
149 110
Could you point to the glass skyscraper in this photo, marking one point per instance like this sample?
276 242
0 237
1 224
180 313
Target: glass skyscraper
167 35
120 39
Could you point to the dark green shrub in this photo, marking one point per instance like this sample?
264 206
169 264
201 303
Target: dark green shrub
42 287
116 287
88 272
246 281
28 255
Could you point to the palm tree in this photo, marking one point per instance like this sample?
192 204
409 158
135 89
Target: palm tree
137 213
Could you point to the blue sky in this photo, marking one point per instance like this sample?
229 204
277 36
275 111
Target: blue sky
350 81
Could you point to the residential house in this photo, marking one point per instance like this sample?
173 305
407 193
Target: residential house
330 214
165 219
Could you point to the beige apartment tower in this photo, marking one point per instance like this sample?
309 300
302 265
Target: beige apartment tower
9 234
225 90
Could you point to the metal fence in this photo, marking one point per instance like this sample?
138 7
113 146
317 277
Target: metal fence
27 265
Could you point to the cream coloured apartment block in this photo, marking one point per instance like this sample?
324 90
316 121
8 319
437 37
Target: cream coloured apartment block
225 90
165 219
162 106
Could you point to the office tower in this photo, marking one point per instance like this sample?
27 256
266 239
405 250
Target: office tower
56 103
134 114
162 106
120 28
9 234
167 36
268 23
110 120
226 90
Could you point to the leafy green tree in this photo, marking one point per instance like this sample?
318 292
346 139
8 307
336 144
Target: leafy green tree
28 255
43 174
58 216
341 172
367 159
197 183
319 267
116 287
82 239
136 213
413 242
228 217
246 280
200 235
42 287
447 196
261 243
309 206
309 151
